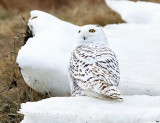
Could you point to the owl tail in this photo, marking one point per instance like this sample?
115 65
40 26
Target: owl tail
114 93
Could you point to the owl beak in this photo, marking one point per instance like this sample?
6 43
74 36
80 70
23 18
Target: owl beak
84 37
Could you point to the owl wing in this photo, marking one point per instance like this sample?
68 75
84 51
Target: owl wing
105 74
95 69
107 62
105 70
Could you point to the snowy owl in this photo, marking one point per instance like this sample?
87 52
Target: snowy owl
93 68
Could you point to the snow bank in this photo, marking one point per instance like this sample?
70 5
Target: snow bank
44 58
137 45
135 109
136 12
138 51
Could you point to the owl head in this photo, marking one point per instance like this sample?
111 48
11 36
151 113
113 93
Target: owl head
91 34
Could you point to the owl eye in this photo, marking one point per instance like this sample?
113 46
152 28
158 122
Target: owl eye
91 30
79 31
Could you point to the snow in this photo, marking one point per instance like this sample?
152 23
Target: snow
136 12
44 58
138 50
92 110
137 46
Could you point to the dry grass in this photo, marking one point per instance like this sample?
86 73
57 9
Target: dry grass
87 12
13 89
75 11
